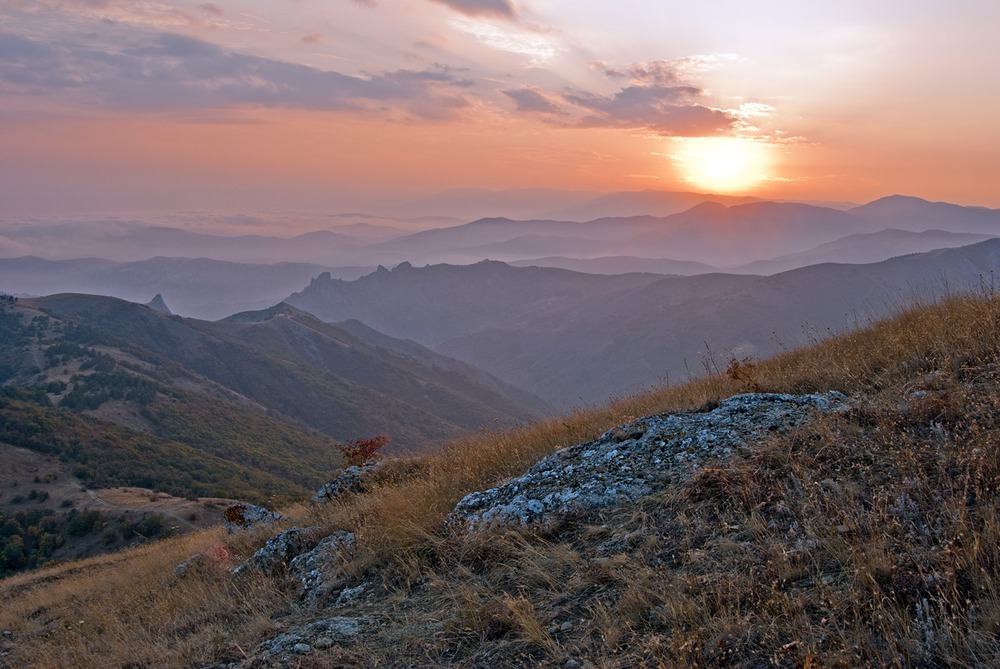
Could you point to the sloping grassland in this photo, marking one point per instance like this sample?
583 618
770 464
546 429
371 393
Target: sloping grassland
862 538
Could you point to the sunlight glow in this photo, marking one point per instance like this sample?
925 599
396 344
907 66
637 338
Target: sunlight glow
722 164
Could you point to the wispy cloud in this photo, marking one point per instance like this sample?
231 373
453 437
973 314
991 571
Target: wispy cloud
531 99
491 8
211 8
503 9
171 72
538 46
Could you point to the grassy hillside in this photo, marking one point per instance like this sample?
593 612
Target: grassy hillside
107 455
309 372
69 391
867 538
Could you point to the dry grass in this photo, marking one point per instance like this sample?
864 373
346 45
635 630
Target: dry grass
130 609
863 539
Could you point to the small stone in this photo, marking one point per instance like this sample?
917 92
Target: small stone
843 529
566 626
323 643
572 664
301 648
554 629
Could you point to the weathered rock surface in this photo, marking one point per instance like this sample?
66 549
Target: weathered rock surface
320 635
280 550
244 516
636 459
350 480
313 568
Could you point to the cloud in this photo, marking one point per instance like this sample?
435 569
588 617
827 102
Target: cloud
504 9
531 99
539 47
655 72
655 96
171 72
666 110
211 8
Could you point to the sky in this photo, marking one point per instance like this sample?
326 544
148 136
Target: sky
124 105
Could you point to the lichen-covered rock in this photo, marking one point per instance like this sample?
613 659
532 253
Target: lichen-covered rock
635 460
349 595
280 550
244 516
311 569
350 480
321 633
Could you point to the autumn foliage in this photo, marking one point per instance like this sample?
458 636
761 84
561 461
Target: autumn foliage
357 452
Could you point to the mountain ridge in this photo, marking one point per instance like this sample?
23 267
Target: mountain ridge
579 338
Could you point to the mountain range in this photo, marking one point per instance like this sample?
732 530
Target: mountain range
577 338
711 233
750 238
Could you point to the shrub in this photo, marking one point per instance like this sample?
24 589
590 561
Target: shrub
357 452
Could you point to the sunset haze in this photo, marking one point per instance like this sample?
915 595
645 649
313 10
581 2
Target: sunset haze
112 106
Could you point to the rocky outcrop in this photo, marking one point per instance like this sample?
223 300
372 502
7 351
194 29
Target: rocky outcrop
312 570
244 516
280 550
352 479
635 460
158 304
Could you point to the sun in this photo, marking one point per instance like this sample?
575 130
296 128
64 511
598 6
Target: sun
722 164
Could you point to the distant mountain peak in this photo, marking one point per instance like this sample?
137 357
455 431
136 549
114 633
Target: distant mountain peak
900 198
895 205
158 304
263 315
492 220
890 202
707 207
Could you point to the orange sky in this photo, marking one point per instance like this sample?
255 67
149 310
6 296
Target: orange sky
110 105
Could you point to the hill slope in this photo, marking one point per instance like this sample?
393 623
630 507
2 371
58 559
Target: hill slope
861 537
286 361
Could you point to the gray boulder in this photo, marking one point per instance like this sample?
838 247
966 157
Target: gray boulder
351 480
637 459
280 550
244 516
313 568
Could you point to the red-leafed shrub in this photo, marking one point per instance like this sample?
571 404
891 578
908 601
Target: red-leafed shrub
357 452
